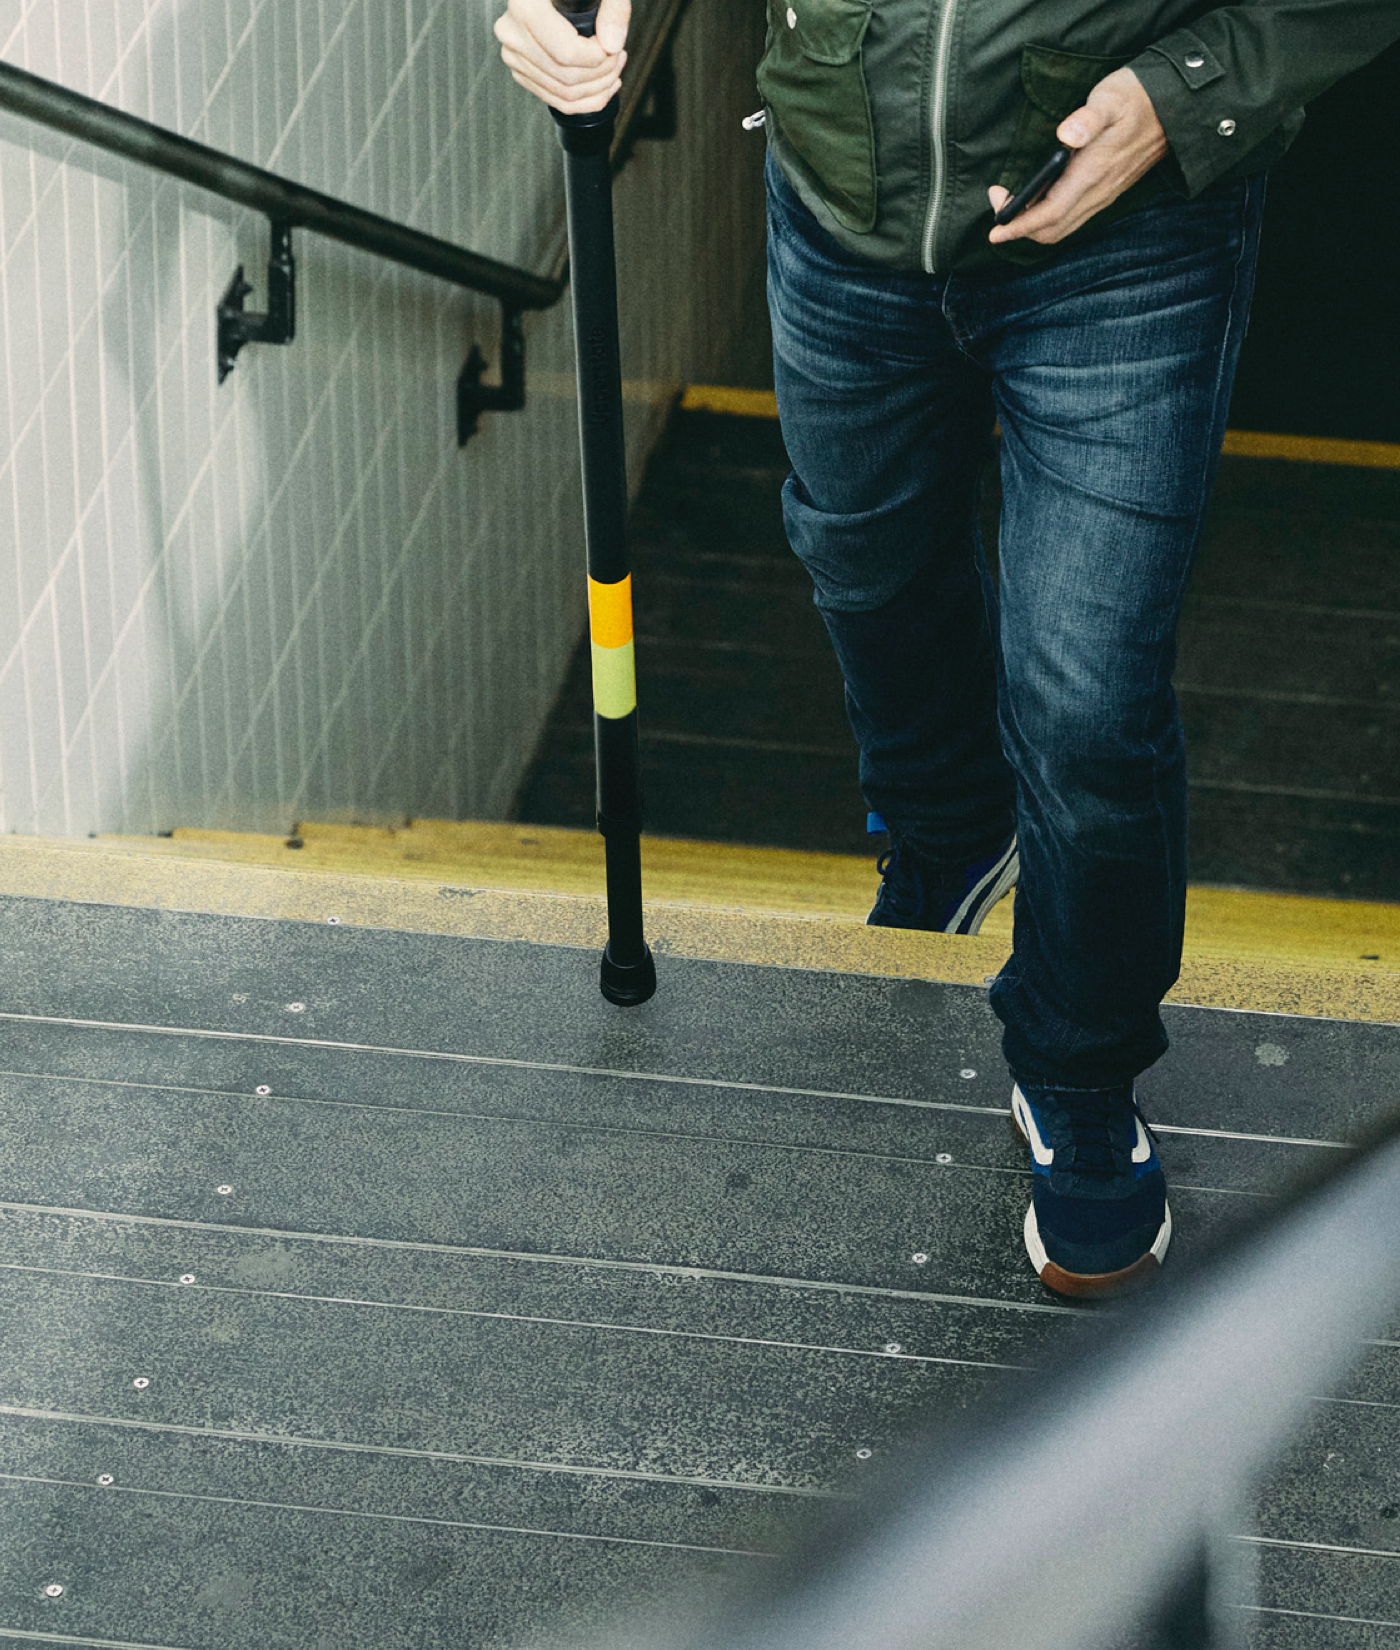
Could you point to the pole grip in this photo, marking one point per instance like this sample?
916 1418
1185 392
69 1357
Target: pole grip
585 134
583 14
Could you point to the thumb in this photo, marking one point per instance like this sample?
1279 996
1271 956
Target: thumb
611 28
1082 127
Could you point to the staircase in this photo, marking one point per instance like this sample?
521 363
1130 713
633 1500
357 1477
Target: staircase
504 1309
1288 676
366 1279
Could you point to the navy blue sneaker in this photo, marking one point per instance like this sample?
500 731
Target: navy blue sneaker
1098 1221
910 897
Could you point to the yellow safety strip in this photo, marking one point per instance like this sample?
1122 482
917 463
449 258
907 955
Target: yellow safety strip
716 398
1267 953
1312 449
1301 449
610 612
615 680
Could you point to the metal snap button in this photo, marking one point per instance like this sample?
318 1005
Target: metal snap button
791 18
1195 60
1226 128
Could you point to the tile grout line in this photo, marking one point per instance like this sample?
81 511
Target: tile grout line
611 1073
875 1353
524 1121
295 1441
35 1636
388 1518
481 1252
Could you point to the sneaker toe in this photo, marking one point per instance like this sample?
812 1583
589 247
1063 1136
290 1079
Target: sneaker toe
1100 1237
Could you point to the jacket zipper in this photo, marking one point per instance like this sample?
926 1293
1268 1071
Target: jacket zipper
938 115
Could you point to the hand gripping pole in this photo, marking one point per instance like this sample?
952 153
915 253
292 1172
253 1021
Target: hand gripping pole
628 974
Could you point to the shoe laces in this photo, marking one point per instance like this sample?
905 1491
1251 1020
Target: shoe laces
1096 1151
901 883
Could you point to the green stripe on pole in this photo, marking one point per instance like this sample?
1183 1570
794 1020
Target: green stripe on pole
614 680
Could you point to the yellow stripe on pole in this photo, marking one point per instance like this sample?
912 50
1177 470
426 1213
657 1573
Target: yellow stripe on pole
615 680
610 612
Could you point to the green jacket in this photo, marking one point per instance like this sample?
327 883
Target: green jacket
892 117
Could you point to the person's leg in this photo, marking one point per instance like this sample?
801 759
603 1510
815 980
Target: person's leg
1114 368
886 423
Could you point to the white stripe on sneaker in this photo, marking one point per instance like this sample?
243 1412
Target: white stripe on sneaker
1025 1120
986 891
1143 1150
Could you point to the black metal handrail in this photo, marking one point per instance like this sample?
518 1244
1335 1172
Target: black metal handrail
277 198
288 206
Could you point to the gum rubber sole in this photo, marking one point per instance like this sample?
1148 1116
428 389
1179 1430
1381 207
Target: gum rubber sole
1084 1286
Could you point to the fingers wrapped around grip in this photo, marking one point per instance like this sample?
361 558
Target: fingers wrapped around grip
546 54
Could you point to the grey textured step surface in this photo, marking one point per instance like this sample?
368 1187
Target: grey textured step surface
518 1308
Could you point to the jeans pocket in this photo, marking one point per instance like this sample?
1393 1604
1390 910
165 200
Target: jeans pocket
813 81
1055 83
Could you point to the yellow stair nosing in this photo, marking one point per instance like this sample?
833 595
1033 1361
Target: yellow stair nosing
1223 924
184 878
1298 449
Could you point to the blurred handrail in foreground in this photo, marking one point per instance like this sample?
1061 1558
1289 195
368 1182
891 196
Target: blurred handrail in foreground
1088 1505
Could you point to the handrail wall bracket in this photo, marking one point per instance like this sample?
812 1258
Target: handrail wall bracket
474 397
238 326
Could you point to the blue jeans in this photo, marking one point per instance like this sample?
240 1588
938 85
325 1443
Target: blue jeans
1043 703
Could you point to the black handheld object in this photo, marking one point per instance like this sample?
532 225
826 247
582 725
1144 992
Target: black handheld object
584 16
628 973
1037 186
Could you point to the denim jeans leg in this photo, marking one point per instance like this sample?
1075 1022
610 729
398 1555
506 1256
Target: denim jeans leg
1113 370
886 422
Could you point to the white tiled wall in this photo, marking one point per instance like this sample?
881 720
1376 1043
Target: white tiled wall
294 595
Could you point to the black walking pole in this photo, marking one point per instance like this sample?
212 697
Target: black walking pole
628 972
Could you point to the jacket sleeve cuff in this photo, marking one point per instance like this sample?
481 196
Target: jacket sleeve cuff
1199 105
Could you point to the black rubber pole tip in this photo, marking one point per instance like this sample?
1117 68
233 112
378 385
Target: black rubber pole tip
628 984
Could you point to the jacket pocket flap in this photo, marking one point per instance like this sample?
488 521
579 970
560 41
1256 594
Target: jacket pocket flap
828 31
1057 82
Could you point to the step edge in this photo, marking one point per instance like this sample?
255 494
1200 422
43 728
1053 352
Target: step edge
84 873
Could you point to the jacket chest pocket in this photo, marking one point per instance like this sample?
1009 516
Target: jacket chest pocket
1055 84
813 81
